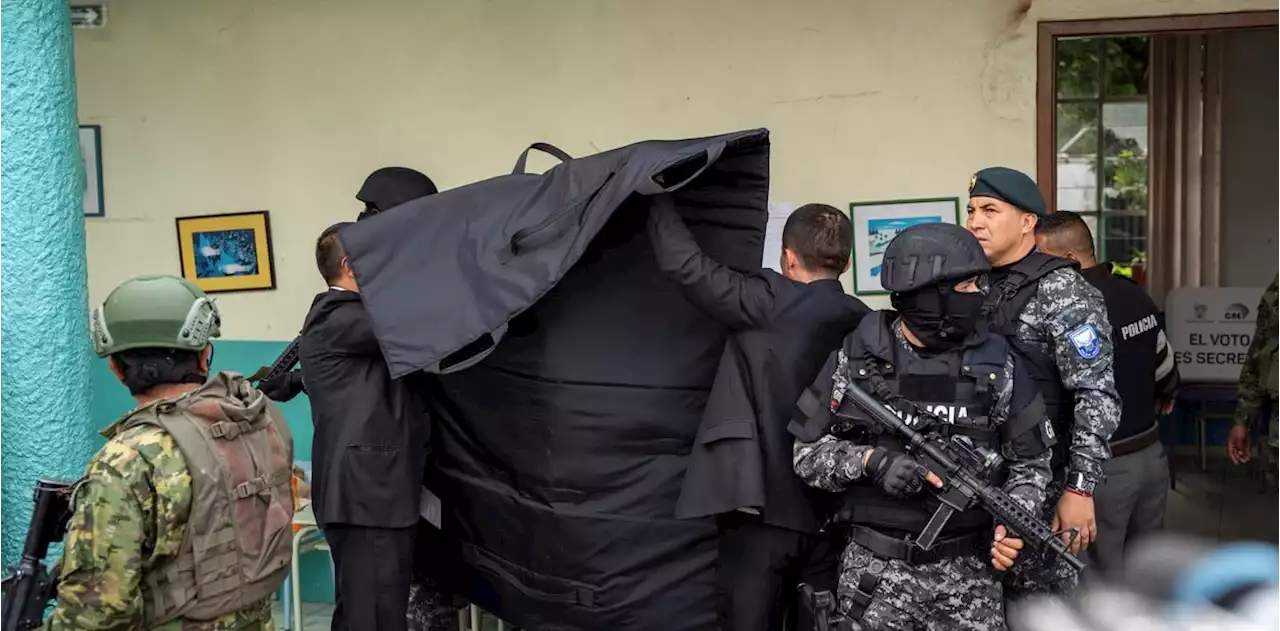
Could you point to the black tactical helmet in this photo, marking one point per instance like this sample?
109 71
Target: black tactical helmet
929 254
389 187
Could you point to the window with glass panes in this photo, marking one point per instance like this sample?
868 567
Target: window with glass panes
1101 140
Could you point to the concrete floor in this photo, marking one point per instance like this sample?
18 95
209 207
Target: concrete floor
1223 503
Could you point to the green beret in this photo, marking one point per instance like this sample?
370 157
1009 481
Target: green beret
1008 185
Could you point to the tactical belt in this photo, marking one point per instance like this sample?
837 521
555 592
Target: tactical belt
1136 443
905 550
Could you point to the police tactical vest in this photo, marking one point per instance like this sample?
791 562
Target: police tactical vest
957 388
237 545
1006 300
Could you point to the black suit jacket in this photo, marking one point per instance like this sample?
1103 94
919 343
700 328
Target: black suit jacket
783 332
371 431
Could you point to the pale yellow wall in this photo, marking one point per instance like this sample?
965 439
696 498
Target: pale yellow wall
212 106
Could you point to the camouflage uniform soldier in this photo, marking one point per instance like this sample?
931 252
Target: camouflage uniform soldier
1257 387
152 545
934 368
1057 325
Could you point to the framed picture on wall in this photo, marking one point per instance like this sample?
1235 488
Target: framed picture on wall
91 170
875 224
229 252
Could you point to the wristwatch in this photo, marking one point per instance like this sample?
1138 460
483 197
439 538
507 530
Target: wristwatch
1079 484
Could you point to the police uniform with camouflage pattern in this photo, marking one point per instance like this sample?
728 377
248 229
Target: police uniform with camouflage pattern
136 555
1063 331
1064 303
1258 378
955 591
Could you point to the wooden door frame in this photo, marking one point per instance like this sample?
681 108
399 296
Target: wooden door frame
1049 32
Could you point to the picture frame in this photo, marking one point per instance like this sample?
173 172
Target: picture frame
91 170
875 223
228 252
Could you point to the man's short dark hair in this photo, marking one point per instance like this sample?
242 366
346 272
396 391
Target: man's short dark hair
822 237
146 368
1067 231
329 253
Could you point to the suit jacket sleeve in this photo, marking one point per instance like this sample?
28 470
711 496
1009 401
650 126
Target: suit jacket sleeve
736 300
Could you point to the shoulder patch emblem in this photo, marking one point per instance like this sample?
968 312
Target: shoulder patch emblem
1048 430
1085 339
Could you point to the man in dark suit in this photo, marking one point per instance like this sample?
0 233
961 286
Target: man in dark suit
369 450
784 327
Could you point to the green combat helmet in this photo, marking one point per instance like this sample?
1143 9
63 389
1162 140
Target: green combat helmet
155 311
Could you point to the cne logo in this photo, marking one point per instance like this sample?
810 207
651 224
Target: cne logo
1236 311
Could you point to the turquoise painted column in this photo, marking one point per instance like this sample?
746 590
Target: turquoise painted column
45 430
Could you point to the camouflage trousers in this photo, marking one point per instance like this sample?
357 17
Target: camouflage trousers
955 593
1271 450
431 608
1037 572
434 599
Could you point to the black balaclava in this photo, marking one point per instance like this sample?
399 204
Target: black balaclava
939 316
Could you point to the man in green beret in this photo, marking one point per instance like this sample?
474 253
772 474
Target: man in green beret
1057 323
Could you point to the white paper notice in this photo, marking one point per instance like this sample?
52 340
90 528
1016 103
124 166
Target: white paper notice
778 213
429 507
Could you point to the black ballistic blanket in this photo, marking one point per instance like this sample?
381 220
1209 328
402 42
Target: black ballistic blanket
571 373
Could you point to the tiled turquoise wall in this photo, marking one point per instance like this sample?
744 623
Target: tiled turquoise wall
111 400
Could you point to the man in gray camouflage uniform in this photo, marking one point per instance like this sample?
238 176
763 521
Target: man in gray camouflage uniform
1057 324
931 364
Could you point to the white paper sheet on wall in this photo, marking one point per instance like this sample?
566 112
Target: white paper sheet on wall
778 213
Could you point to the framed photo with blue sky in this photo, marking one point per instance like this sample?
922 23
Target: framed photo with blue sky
230 252
875 224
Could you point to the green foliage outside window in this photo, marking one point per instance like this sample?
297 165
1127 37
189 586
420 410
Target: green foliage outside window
1090 72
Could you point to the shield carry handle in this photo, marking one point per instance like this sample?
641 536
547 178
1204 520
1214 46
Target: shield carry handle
469 355
657 185
548 149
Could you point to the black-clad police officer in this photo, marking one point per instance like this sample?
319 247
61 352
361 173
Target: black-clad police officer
384 189
1131 501
932 362
389 187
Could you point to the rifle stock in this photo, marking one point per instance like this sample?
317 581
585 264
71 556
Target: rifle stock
28 588
962 486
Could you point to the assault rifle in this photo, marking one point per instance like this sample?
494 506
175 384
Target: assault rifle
965 469
283 364
28 588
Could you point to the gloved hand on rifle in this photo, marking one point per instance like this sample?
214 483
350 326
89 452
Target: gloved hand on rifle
283 387
897 474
